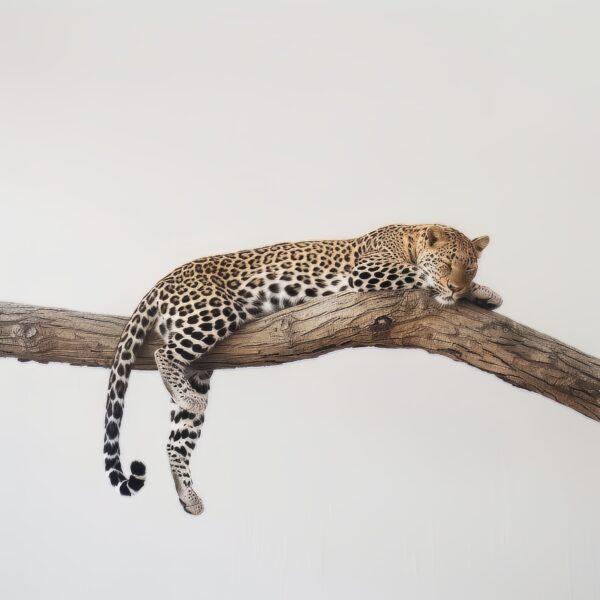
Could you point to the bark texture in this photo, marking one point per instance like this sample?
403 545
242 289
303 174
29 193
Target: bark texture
464 332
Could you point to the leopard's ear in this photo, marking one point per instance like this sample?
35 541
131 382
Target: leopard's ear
481 243
436 235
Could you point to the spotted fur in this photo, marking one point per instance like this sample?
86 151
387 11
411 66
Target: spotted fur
206 300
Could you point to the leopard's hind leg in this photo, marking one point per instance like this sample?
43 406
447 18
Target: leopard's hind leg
185 431
186 342
176 377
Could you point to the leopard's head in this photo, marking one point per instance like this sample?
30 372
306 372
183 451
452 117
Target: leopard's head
449 259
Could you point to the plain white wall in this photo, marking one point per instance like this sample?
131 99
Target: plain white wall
135 136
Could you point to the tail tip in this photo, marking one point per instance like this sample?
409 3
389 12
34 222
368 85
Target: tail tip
138 477
138 468
136 481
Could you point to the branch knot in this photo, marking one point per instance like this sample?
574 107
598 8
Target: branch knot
382 323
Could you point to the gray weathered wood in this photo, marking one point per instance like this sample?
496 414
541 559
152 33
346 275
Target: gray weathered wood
464 332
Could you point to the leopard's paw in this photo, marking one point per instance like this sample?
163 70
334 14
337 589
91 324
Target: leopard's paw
191 502
485 297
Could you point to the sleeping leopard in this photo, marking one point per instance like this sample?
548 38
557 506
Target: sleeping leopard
206 300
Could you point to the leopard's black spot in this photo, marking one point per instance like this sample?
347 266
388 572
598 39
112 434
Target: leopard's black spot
117 410
184 354
136 484
114 478
112 430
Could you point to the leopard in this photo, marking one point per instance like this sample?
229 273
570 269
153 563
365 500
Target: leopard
204 301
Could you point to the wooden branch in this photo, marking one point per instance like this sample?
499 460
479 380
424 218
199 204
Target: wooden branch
464 332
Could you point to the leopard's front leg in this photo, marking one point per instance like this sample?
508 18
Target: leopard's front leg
483 296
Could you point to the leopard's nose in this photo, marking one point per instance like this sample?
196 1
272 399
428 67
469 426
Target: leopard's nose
454 287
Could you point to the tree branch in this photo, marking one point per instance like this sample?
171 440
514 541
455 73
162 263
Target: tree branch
464 332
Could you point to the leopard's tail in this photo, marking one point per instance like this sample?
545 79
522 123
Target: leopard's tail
131 341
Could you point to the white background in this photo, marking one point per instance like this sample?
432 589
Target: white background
137 136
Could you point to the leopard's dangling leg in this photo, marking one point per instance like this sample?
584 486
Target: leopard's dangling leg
176 378
185 431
